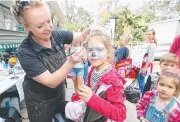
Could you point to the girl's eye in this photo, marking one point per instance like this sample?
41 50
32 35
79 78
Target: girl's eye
161 84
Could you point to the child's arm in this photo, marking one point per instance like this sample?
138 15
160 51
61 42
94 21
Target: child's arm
113 107
142 105
174 115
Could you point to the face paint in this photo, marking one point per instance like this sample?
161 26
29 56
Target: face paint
97 51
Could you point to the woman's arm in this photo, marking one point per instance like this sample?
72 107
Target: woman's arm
35 69
80 36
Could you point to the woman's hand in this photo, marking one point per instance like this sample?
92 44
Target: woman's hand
76 57
85 93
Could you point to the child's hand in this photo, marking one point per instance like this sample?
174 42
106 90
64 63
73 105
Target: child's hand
142 119
85 93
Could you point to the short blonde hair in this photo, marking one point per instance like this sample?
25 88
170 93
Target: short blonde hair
18 7
169 57
99 34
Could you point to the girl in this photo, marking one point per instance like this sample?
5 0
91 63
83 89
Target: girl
160 105
77 71
146 68
104 93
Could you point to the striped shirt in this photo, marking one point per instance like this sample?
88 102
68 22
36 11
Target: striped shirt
95 77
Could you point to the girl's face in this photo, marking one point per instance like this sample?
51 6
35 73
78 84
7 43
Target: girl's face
38 22
167 66
166 88
149 36
96 52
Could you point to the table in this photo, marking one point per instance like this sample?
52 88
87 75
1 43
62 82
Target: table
7 83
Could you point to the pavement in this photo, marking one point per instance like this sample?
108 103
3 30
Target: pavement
131 108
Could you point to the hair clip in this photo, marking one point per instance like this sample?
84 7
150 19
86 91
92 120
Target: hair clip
22 4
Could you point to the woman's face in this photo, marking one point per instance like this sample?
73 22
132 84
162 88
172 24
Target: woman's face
38 21
96 52
149 36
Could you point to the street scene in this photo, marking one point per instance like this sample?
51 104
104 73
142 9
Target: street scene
90 61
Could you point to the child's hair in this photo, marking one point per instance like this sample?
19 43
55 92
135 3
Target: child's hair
169 57
104 38
175 75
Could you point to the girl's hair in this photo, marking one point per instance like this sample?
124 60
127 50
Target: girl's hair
154 35
18 7
175 75
105 39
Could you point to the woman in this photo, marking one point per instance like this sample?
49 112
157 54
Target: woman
146 68
43 58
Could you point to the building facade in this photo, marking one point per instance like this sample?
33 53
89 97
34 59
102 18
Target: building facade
12 34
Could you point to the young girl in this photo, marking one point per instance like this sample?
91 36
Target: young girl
104 93
77 71
160 105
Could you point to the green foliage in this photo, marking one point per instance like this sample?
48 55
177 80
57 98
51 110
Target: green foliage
73 27
129 24
104 16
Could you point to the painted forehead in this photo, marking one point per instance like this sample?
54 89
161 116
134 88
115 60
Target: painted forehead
95 44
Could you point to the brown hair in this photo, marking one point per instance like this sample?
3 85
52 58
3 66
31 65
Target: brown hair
175 75
154 35
18 7
169 57
105 39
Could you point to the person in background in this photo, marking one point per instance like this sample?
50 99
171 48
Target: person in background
85 60
147 66
77 71
175 48
161 105
43 58
102 100
122 53
167 62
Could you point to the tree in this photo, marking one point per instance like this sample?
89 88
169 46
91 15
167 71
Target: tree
156 10
129 24
77 16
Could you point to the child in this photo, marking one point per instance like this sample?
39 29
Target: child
160 105
104 98
77 72
167 62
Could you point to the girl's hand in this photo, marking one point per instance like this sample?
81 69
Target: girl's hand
76 57
85 93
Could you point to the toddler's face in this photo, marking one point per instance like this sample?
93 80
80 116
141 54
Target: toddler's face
96 52
166 88
167 66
